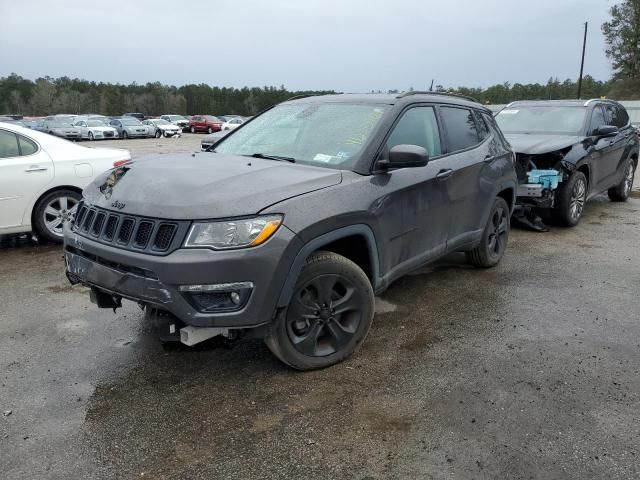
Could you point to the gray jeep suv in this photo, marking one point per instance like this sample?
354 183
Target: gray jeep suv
290 224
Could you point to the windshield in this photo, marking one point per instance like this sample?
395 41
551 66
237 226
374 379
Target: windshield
542 119
96 123
130 122
176 117
161 122
321 134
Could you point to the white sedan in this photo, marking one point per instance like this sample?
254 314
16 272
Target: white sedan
159 127
95 130
232 123
42 177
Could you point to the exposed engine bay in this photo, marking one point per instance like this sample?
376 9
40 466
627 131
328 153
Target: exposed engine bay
539 177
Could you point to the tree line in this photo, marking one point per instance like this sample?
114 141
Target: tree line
47 96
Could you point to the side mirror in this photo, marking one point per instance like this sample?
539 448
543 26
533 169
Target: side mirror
605 131
405 156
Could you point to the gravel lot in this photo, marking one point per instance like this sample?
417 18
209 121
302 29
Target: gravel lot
529 370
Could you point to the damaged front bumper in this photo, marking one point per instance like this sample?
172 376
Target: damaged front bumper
187 282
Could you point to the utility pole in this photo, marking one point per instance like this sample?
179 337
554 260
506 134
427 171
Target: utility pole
584 47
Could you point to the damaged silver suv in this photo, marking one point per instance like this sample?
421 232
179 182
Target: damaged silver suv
287 226
568 151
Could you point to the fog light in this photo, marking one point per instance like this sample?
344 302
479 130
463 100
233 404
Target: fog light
221 297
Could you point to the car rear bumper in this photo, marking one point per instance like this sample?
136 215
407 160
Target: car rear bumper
156 280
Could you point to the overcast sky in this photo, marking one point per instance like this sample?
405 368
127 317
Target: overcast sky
345 45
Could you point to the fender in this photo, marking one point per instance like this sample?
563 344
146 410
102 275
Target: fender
325 239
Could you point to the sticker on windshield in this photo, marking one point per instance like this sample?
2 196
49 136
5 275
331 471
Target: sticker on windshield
509 112
321 157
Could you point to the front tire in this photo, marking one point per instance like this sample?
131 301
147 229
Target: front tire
494 237
125 135
91 139
209 130
52 212
328 316
158 133
570 200
621 192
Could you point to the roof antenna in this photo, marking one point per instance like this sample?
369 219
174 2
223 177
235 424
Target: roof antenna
431 87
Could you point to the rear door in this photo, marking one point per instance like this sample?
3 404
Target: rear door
25 169
617 117
468 156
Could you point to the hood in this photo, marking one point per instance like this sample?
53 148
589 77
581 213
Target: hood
101 129
167 127
539 144
206 185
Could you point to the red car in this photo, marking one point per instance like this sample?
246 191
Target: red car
205 123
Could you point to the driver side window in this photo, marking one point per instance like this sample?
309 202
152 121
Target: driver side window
597 119
418 126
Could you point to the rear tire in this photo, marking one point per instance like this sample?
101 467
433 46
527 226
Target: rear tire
51 213
621 192
571 199
494 237
193 129
328 316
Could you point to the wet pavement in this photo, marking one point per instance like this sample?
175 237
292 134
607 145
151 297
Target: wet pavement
528 370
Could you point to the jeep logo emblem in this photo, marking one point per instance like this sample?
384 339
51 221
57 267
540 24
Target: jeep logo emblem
118 205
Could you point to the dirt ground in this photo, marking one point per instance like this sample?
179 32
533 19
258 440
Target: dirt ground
529 370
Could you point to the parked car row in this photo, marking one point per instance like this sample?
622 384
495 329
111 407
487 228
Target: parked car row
129 125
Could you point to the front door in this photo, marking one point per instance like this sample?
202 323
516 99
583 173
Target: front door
413 212
24 171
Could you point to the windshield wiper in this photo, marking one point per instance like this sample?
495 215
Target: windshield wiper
274 157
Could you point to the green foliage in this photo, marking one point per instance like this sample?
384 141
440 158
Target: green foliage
46 96
622 35
554 89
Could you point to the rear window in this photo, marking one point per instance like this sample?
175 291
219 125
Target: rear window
461 128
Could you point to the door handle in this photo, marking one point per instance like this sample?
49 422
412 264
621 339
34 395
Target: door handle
444 174
35 168
489 158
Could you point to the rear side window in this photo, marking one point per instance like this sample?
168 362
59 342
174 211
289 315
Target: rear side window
418 126
461 128
615 115
483 128
597 119
27 147
8 145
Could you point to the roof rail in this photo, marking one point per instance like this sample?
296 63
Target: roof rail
448 94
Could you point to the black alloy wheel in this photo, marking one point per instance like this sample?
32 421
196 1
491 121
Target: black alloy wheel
328 316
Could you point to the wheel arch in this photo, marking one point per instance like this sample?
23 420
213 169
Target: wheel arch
509 196
355 242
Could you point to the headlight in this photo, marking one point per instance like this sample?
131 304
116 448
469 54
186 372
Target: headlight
249 232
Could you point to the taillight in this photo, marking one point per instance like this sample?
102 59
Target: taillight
119 163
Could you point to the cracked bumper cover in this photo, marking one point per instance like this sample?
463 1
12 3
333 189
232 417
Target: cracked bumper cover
155 279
